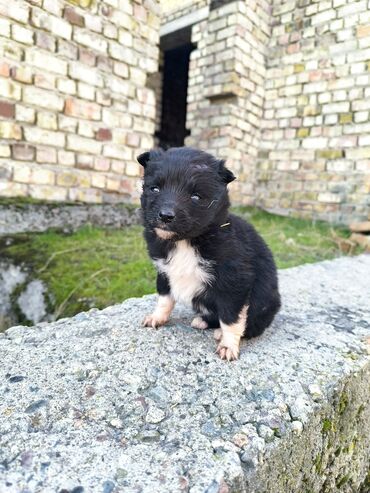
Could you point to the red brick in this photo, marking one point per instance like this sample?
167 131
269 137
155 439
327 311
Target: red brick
132 140
85 162
73 17
21 74
4 69
103 134
45 41
102 163
363 31
293 48
104 63
46 155
45 80
82 109
140 13
23 152
7 109
87 57
126 186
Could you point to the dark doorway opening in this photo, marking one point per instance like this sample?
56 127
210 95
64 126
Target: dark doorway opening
176 49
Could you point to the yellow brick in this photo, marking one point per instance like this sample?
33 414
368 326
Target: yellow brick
67 179
10 130
84 180
9 90
298 67
82 3
132 169
302 100
330 154
311 110
113 184
22 173
345 118
303 132
98 180
47 120
4 150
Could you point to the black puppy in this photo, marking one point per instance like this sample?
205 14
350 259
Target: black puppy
205 256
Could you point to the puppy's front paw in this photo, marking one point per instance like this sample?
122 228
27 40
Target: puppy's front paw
154 321
229 345
227 352
199 323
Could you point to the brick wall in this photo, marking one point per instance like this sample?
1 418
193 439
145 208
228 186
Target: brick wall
74 105
226 88
314 157
173 9
281 89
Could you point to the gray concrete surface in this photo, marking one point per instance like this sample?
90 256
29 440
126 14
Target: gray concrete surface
28 218
96 403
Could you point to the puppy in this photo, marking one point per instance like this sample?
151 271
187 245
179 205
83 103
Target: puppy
205 256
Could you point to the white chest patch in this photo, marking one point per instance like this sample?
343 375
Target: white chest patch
187 272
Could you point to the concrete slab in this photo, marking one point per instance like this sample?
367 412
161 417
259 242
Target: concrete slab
96 403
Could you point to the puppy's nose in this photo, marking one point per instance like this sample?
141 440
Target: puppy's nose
167 215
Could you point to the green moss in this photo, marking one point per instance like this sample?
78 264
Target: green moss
343 403
96 267
25 201
22 201
360 410
327 426
90 268
340 482
351 447
338 451
352 356
318 463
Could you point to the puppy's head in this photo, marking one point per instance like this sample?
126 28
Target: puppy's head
184 191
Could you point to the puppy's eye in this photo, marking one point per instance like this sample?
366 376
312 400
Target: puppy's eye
195 197
154 189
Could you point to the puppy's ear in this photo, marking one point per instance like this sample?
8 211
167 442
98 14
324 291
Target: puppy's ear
226 175
143 158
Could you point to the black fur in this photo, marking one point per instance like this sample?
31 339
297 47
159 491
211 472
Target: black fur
243 268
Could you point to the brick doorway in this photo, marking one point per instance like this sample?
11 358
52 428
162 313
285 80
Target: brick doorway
176 48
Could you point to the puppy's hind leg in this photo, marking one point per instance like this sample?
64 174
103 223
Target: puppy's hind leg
198 322
231 333
205 321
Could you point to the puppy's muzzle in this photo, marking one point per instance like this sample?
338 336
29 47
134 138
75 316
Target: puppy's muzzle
166 215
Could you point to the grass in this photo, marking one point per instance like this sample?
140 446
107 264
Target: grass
96 267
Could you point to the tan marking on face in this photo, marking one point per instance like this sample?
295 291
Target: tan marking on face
229 344
163 234
162 312
199 323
